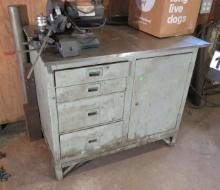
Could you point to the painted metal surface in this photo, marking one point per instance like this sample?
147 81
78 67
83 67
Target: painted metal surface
48 108
158 91
147 103
168 70
77 92
90 112
91 141
91 74
122 42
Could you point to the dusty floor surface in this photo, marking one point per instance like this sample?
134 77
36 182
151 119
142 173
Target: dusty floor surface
193 164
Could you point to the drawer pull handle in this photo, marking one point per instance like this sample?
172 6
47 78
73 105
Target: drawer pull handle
95 74
95 89
92 141
94 113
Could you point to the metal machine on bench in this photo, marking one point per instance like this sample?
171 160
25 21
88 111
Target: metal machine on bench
68 23
67 27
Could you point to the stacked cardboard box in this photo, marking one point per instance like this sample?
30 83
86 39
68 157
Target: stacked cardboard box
163 18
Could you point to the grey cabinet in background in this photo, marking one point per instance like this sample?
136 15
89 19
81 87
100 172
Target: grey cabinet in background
128 92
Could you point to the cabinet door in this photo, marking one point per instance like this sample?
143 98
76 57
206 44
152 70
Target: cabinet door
158 91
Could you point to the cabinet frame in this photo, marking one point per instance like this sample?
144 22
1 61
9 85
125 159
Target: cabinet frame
46 90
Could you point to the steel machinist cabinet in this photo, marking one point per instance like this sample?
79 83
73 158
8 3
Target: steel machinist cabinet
128 92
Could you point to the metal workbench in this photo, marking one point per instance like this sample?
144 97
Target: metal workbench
128 92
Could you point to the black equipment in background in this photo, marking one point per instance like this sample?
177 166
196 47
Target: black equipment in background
203 84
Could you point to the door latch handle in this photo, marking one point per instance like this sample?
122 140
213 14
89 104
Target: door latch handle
92 141
93 89
94 113
94 73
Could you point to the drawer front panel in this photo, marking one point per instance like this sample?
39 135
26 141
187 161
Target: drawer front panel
91 141
73 93
91 74
90 112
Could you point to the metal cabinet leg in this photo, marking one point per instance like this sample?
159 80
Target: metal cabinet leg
69 169
58 171
171 141
73 167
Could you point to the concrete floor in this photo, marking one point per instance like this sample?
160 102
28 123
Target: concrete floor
194 163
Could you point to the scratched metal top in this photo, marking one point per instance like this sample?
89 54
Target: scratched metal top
116 41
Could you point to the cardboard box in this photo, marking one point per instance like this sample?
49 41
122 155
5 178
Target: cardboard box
164 18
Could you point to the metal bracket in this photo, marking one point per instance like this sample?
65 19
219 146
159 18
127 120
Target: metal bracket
73 167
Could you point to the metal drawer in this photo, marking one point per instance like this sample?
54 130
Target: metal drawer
90 112
91 74
91 141
73 93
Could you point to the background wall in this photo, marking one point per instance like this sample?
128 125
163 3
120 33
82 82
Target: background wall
215 15
11 97
116 8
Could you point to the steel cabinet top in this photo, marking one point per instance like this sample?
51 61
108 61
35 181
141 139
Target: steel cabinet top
121 41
